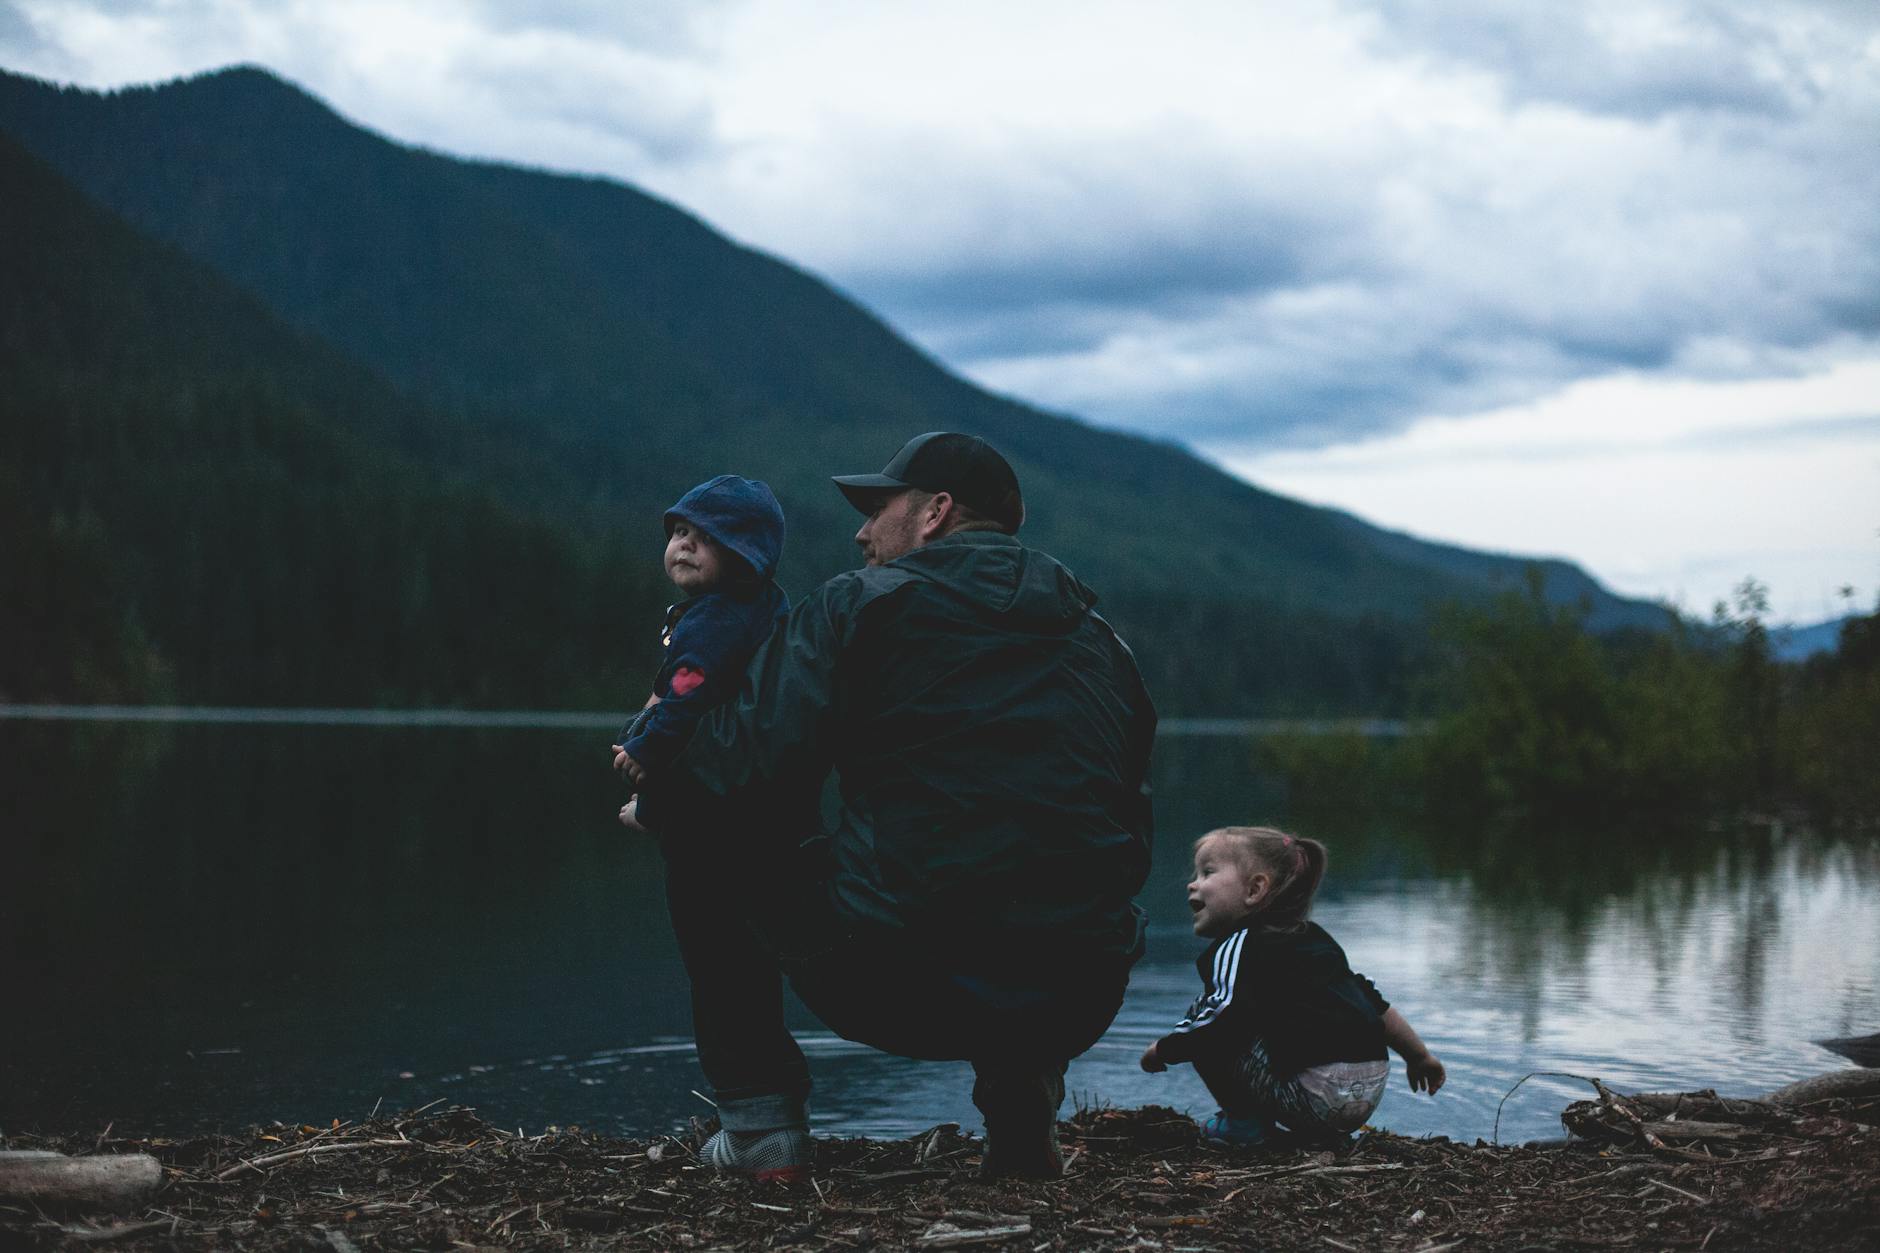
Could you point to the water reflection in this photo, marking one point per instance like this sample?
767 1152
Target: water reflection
211 925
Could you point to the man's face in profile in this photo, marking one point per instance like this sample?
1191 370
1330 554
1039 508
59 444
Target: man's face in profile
892 529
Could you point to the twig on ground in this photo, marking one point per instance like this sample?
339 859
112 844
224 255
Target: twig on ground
1670 1187
272 1158
1551 1074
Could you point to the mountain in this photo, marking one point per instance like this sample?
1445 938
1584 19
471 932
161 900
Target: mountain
201 501
569 354
1802 641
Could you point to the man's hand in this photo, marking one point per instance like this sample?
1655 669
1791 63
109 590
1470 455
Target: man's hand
633 769
1152 1061
630 818
1426 1072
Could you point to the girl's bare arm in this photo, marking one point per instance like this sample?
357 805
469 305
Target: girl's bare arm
1424 1067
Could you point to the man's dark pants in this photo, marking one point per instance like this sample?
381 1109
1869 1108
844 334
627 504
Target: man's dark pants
744 922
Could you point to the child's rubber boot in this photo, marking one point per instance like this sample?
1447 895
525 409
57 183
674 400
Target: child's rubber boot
1020 1105
1243 1133
764 1137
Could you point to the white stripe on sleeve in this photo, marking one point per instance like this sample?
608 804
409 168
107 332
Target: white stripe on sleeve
1220 991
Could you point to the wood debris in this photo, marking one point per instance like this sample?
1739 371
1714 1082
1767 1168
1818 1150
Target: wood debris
1784 1177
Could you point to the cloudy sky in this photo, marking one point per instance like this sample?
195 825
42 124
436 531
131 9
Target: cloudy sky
1596 279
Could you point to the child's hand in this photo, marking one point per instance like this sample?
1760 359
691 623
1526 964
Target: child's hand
1152 1061
630 818
634 770
1426 1072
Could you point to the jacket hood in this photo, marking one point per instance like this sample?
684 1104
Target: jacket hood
1005 578
741 514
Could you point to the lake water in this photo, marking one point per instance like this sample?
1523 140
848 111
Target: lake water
210 926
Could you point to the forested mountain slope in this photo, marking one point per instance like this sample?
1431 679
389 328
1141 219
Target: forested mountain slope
200 502
565 355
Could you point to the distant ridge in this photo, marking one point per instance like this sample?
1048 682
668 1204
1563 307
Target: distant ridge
1804 640
576 352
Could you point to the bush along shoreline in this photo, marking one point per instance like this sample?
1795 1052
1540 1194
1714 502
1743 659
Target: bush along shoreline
1528 718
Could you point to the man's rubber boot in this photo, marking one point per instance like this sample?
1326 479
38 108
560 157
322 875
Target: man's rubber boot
1020 1106
765 1137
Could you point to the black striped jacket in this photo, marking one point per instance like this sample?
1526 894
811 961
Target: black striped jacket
1293 990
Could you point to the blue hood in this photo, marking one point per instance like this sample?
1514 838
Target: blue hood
741 514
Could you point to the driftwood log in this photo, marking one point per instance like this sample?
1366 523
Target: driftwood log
97 1185
1862 1050
1825 1105
1861 1084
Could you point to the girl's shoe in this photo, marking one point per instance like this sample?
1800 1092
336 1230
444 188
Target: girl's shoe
764 1137
1243 1133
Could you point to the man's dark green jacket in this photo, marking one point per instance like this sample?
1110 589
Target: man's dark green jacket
990 735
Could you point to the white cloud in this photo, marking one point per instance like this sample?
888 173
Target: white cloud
1668 489
619 95
1265 227
1143 212
1627 58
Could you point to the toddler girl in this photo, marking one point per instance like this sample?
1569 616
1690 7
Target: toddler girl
1284 1032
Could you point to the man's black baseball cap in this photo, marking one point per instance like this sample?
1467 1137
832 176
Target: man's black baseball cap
965 467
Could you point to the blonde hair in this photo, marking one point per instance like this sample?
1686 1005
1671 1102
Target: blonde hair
1295 864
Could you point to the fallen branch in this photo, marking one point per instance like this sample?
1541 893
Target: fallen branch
1366 1168
271 1159
1691 1129
944 1235
1671 1187
104 1235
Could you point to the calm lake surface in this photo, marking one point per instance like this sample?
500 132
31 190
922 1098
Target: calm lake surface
211 926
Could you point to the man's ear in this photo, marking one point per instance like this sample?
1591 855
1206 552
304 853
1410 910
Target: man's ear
937 517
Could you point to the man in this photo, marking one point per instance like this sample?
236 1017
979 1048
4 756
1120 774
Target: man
990 737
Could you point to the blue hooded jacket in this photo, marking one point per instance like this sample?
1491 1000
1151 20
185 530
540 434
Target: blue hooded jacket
711 637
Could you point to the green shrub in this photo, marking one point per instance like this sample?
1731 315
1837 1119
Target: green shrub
1533 715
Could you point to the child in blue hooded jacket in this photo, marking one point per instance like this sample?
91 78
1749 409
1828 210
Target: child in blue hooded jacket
723 540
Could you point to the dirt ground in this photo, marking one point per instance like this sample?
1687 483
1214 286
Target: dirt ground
443 1178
